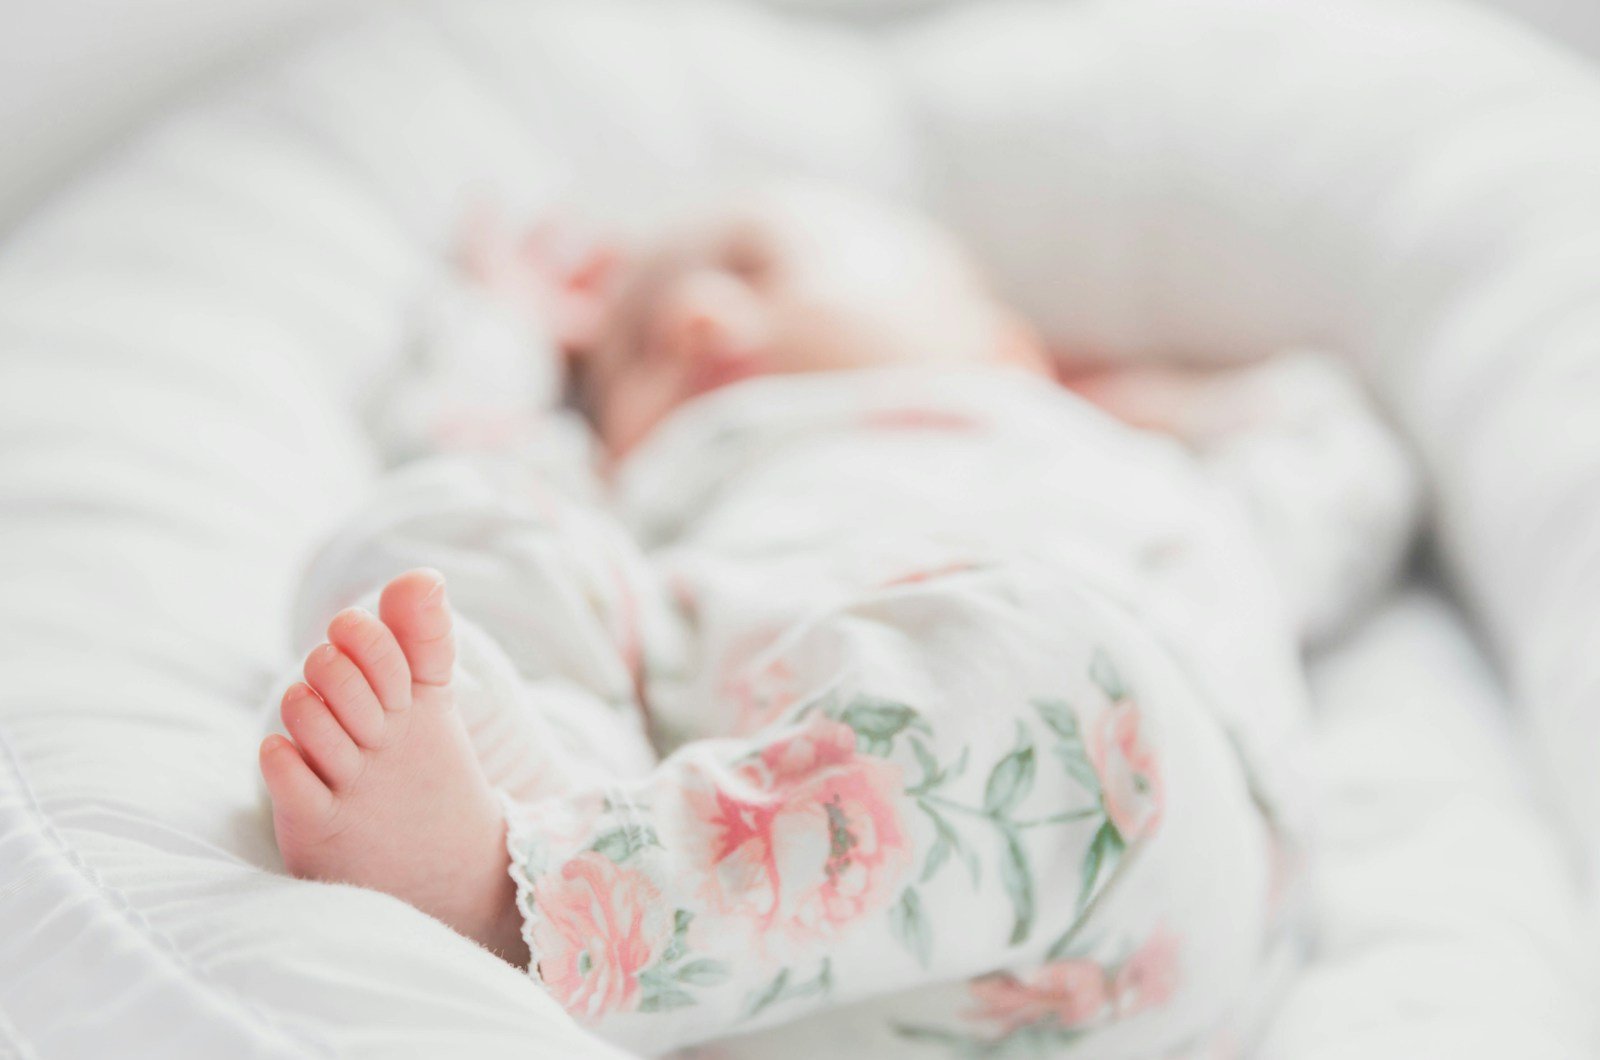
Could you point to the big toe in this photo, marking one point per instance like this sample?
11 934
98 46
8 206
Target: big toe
413 607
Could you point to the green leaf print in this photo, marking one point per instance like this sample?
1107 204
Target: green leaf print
1062 945
1079 768
665 998
662 985
1060 717
781 990
1018 880
772 993
938 854
702 972
878 721
1103 672
1104 848
950 840
1041 1040
932 776
910 926
1009 782
937 1035
680 929
620 844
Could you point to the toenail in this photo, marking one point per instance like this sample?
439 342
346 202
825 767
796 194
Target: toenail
350 616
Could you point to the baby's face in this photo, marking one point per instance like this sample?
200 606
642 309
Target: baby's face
791 280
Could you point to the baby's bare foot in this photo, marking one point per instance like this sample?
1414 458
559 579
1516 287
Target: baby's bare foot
379 786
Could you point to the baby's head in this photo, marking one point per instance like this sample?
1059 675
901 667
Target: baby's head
793 278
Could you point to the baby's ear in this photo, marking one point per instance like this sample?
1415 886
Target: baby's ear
576 282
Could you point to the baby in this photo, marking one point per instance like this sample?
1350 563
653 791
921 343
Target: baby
986 704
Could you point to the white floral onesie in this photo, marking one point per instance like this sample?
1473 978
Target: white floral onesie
984 711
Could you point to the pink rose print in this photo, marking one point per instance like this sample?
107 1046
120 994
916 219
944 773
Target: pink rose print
1067 996
598 926
1066 993
1149 977
807 839
1130 777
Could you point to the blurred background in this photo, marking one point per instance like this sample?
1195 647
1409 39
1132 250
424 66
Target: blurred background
76 74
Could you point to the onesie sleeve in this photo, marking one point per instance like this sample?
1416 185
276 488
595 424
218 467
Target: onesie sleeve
1327 482
473 376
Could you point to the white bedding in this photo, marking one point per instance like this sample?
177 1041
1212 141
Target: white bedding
1445 908
186 337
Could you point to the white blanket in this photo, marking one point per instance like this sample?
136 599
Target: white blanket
1448 920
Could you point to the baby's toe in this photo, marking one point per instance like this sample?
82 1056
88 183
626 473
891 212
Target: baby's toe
347 692
322 741
297 793
413 606
372 647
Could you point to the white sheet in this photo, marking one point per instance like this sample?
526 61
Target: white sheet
1444 901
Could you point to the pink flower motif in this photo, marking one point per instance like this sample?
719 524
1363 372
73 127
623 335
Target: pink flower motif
807 837
1149 977
1130 777
598 926
1066 993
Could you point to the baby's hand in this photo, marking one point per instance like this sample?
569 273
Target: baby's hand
546 274
494 255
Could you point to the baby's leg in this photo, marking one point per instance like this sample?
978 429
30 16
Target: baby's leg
987 770
409 723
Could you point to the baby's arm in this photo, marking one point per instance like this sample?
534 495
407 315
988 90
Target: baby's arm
1326 481
485 362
